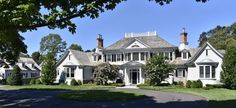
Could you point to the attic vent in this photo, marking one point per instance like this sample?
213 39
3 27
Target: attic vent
127 35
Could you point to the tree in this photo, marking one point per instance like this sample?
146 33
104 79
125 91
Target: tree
104 72
37 57
76 47
27 15
49 69
52 43
15 78
219 37
11 45
157 69
228 75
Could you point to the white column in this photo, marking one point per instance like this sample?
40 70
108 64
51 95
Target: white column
140 76
139 56
131 56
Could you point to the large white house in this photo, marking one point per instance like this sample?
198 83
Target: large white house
131 52
29 68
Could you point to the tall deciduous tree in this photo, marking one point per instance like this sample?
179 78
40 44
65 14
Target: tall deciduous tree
37 57
220 37
104 72
76 47
16 77
52 43
48 69
157 69
228 75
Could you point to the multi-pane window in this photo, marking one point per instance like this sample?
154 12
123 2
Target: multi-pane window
70 72
119 57
207 71
135 56
128 56
180 73
113 57
108 57
184 55
201 70
142 56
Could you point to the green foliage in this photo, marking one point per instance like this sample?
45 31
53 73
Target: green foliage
11 45
49 69
196 84
3 81
37 57
188 84
157 69
15 78
228 75
219 37
38 82
104 72
79 82
75 47
32 81
73 82
52 43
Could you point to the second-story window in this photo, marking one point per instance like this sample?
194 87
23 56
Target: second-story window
108 57
113 57
128 56
142 56
118 57
135 56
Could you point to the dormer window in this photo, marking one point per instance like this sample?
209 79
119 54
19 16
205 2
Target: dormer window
184 55
94 58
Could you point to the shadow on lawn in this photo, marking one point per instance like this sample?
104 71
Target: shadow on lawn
49 99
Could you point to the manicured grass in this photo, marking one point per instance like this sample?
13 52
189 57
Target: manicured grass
218 97
102 95
55 87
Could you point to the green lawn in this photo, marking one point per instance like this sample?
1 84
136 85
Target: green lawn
102 95
218 97
55 87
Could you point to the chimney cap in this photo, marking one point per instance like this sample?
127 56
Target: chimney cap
183 30
99 36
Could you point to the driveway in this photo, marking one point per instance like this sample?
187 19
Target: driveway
49 99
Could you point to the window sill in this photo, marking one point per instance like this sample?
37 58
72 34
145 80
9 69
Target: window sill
207 78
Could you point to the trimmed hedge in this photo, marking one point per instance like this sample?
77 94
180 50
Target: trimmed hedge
194 84
79 82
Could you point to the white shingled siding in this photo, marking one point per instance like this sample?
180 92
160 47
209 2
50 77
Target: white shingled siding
193 72
60 68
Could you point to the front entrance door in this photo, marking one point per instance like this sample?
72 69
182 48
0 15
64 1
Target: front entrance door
134 77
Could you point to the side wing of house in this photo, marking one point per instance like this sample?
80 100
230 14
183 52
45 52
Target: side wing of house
205 65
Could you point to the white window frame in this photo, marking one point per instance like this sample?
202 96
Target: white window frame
204 72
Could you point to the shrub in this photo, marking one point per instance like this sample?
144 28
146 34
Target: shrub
32 81
196 84
15 78
79 82
118 84
73 82
147 82
188 84
3 82
215 85
119 81
38 81
164 84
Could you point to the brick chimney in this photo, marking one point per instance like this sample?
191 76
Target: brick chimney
100 41
184 37
184 42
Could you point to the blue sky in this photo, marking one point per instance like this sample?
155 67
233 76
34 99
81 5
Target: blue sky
143 16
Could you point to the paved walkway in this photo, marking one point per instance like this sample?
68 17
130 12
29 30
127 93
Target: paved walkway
49 99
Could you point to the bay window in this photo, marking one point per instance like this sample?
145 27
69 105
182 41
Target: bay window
207 71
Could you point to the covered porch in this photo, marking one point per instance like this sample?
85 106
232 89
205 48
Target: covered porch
133 74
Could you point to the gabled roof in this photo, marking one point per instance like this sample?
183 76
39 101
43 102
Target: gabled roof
83 58
202 49
151 41
179 61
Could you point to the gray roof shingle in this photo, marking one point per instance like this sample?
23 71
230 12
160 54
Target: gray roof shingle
151 41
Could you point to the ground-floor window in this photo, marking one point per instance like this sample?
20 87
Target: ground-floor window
207 71
180 73
70 72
